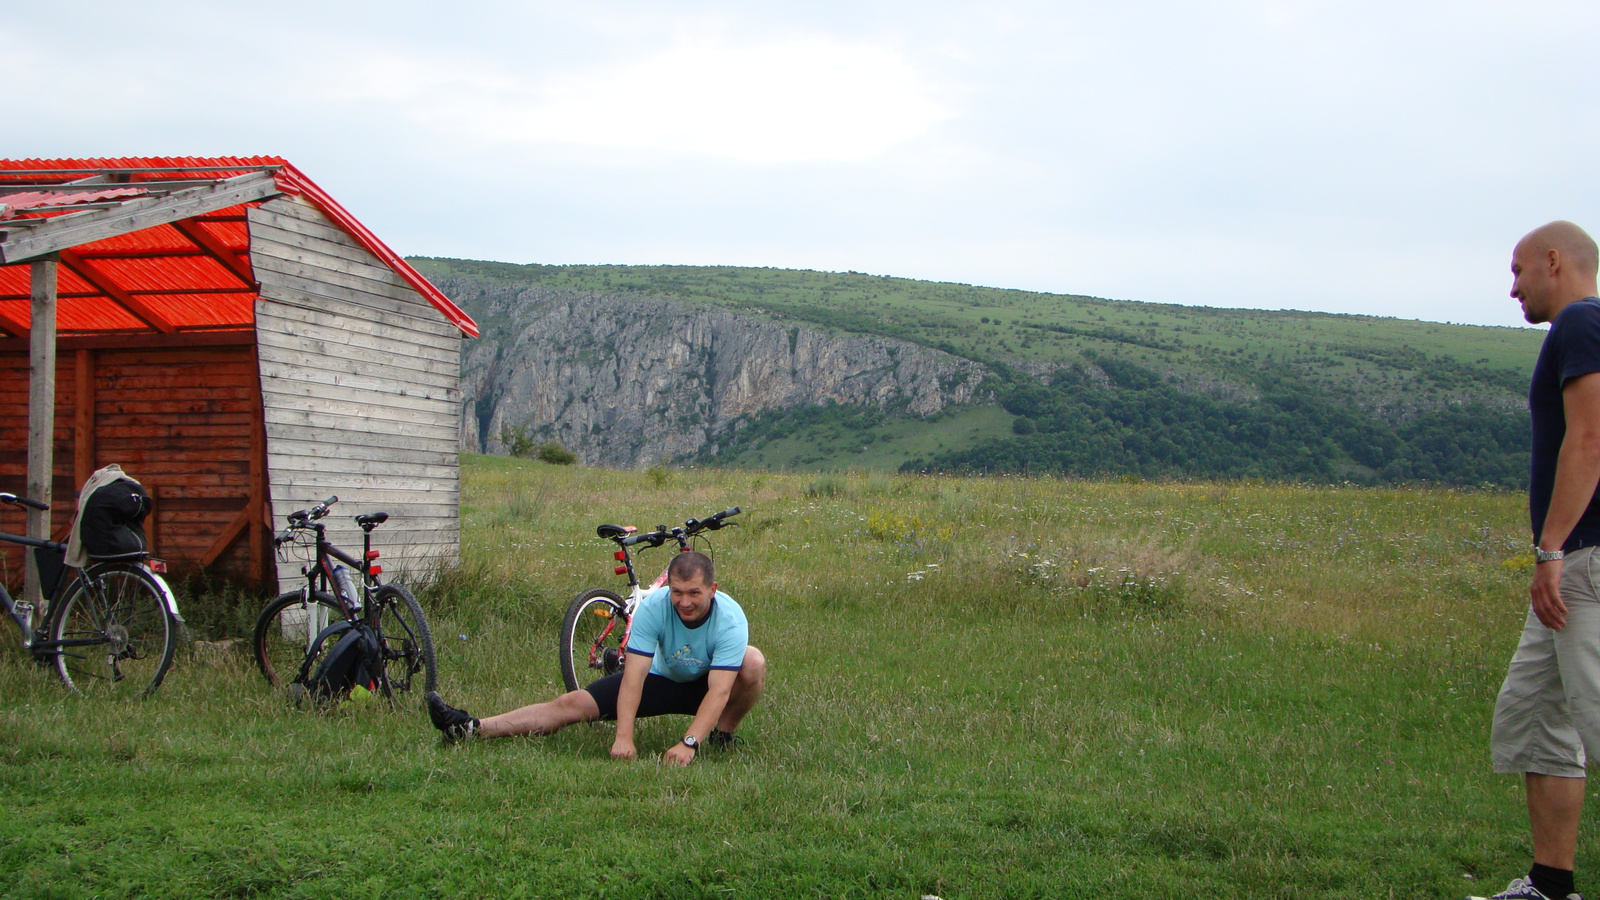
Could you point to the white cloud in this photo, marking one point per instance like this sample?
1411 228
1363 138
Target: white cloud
798 100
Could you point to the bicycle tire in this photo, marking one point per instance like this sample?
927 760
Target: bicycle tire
591 636
284 632
121 609
407 641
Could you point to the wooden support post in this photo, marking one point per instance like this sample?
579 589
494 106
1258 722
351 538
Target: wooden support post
152 521
83 420
41 409
256 507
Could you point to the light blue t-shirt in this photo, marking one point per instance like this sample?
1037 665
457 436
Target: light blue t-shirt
684 653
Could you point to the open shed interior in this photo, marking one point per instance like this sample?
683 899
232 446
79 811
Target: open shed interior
238 342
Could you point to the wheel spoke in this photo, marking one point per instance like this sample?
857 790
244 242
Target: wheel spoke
120 618
407 642
591 638
285 631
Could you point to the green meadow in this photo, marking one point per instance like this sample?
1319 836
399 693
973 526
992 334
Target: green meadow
979 688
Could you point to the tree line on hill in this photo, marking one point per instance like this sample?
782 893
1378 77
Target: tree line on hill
1133 423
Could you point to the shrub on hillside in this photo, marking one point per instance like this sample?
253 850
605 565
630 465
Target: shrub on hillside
515 440
555 454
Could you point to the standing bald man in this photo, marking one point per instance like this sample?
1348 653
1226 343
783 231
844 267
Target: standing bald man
1548 711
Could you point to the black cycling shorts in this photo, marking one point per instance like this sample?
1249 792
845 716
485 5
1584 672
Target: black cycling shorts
661 696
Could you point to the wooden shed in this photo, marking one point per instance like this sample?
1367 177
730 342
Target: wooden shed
238 342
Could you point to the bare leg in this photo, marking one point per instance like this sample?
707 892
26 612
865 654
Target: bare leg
1554 805
747 690
542 718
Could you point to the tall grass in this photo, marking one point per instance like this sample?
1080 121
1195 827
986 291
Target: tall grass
1002 687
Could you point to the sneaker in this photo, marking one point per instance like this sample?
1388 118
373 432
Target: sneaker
1523 889
723 740
455 724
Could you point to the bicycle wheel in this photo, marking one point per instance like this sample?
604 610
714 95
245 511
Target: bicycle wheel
407 642
591 637
114 634
285 630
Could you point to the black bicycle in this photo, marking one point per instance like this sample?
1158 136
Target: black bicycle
339 587
108 630
595 631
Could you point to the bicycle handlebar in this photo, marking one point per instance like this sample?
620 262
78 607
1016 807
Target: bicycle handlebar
302 518
690 528
314 513
713 521
14 500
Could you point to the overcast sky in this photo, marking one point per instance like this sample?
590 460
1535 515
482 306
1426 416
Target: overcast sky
1358 157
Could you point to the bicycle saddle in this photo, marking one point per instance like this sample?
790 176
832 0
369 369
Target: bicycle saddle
612 531
377 518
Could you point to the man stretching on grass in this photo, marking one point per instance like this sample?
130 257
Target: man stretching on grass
1548 712
688 653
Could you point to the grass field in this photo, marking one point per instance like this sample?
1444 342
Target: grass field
979 688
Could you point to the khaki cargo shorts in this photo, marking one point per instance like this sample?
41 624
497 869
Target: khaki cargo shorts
1549 706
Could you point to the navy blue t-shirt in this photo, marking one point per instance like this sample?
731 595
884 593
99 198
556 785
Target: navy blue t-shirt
1571 349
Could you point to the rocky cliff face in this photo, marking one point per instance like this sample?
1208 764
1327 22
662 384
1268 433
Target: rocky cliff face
632 381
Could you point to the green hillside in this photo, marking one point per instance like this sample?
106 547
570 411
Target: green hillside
1117 387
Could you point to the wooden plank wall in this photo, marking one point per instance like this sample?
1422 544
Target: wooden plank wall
178 418
360 380
14 452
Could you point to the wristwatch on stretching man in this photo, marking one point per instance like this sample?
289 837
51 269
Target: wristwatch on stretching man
690 742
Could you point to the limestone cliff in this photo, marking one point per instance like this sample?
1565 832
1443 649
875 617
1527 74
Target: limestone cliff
637 380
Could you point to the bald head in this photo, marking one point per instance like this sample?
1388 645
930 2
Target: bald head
1572 243
1553 267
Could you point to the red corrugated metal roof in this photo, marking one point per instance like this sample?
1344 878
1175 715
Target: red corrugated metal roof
165 278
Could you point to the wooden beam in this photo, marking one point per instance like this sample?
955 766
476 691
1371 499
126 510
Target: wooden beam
70 230
83 419
139 308
41 410
217 250
14 326
257 508
187 292
232 337
239 525
89 293
120 174
162 253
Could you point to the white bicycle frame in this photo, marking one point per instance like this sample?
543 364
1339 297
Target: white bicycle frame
633 601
